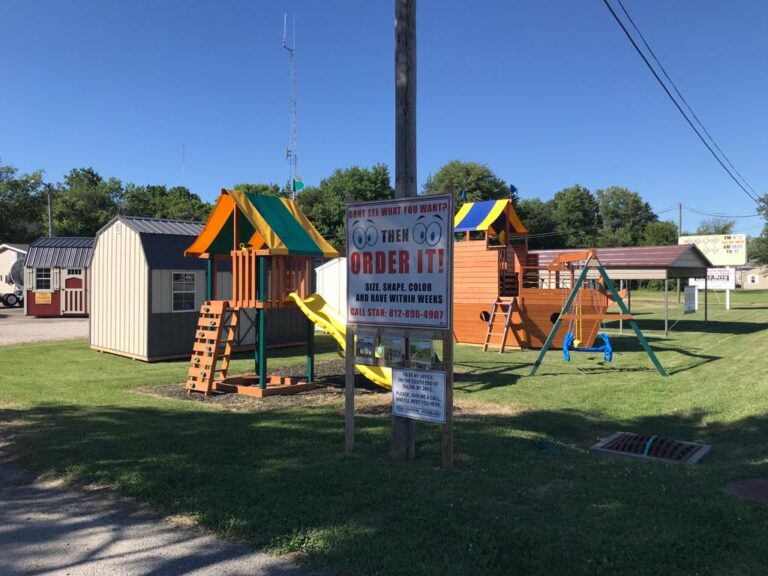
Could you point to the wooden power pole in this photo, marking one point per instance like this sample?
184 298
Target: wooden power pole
404 429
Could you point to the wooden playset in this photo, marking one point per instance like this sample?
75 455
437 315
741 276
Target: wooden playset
503 298
272 247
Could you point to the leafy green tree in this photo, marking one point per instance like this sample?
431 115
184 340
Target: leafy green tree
264 188
659 234
324 205
757 248
624 215
176 203
85 202
22 201
539 218
477 182
716 225
577 217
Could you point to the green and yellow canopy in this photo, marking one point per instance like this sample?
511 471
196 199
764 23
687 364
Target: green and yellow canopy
263 223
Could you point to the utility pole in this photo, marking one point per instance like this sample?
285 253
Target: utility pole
49 190
679 233
404 429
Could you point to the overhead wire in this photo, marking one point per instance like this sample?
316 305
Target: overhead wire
754 198
677 91
719 214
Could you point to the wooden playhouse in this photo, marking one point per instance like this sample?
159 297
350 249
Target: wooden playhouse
272 247
502 297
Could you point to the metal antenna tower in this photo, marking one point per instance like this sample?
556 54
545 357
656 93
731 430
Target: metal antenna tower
291 152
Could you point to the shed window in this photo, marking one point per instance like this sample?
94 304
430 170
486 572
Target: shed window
74 271
43 279
753 279
183 291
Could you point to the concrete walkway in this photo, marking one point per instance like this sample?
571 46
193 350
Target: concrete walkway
50 528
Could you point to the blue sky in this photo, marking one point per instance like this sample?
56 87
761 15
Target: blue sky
547 93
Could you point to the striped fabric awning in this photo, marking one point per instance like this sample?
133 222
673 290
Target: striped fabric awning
475 216
265 222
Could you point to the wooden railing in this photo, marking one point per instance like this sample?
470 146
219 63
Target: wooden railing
282 275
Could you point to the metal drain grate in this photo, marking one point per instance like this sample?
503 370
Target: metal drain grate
651 447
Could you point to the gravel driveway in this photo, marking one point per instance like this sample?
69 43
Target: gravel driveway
53 529
16 328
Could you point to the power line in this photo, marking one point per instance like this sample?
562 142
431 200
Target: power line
677 105
677 91
720 215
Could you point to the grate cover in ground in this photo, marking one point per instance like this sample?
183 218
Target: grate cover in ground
651 447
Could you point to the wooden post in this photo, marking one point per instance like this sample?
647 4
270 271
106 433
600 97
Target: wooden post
349 391
209 278
262 347
404 429
306 289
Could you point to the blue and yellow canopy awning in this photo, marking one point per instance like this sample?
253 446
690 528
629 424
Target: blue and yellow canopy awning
263 223
489 215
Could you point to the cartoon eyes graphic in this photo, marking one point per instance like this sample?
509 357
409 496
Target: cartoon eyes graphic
364 237
434 232
371 235
358 238
427 234
420 233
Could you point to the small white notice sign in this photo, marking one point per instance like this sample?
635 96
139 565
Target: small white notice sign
691 303
419 394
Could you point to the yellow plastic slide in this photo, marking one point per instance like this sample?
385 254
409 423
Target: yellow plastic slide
320 312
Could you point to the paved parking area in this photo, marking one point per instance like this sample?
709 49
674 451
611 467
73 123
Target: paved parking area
16 328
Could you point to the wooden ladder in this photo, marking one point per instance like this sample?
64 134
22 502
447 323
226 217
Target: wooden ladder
499 308
214 337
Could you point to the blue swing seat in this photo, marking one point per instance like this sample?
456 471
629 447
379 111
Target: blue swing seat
606 348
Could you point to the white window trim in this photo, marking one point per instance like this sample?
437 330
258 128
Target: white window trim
194 291
50 280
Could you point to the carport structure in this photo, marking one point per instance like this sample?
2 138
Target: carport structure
641 263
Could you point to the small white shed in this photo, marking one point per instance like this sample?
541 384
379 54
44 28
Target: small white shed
331 284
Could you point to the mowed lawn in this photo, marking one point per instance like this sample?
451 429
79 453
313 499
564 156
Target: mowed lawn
526 496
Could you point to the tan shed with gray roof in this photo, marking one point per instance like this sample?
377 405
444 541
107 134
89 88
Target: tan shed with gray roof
145 295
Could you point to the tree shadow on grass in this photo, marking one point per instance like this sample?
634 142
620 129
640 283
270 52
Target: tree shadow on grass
280 479
709 327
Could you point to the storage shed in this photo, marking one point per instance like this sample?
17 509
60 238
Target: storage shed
146 294
56 277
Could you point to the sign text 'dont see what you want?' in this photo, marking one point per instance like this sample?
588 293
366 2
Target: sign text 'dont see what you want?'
398 262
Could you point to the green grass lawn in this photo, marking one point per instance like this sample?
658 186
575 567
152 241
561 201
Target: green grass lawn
279 478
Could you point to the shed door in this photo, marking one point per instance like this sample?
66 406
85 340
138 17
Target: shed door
73 291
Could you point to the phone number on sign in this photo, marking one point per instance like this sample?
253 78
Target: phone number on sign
426 314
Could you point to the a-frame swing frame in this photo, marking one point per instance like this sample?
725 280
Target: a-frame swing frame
624 312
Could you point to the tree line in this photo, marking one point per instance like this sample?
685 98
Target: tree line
574 217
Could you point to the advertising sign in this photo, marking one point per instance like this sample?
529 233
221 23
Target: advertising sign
43 298
720 249
717 279
419 394
399 258
690 304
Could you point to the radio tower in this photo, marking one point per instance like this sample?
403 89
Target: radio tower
291 151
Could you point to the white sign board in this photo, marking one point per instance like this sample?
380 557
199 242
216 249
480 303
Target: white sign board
691 300
720 249
419 394
399 258
717 279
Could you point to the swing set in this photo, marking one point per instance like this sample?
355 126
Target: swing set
573 312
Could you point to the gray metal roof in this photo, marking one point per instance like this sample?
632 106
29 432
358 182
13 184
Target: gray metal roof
671 256
166 252
63 252
144 225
